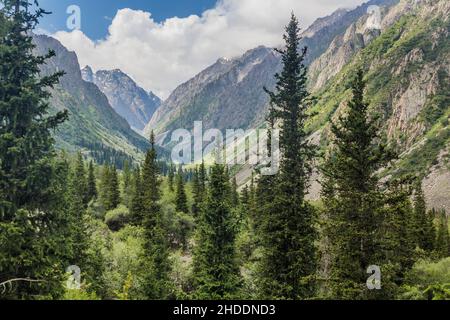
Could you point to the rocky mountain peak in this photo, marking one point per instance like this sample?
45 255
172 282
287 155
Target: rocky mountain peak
126 97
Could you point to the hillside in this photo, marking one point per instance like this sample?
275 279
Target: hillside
407 78
93 124
128 99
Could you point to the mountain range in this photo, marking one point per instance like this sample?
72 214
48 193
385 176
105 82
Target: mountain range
127 98
405 56
94 127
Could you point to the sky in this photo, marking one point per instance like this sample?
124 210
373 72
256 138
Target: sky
163 43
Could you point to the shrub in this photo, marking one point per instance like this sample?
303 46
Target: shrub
117 219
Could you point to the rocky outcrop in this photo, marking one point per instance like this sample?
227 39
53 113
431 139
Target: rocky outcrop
128 99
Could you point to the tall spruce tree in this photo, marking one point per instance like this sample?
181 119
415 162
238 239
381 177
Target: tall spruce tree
352 199
398 239
157 282
171 177
289 234
443 238
216 271
127 183
197 193
137 199
234 193
181 198
109 189
77 212
91 183
30 222
113 186
423 223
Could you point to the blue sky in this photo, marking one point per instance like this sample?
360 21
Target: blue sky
97 14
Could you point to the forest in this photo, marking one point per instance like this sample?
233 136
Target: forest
155 230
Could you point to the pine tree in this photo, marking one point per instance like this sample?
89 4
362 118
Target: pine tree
216 271
137 199
443 238
127 183
234 193
157 283
398 232
424 231
30 222
289 234
77 213
181 198
109 188
352 200
114 191
197 193
171 177
91 183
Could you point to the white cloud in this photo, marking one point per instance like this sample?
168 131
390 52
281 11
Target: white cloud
160 56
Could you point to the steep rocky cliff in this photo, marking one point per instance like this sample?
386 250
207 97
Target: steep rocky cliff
93 124
128 99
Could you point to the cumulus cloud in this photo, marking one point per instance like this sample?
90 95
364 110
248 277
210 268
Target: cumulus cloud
160 56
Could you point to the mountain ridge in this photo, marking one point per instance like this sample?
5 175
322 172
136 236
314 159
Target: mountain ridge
93 126
126 97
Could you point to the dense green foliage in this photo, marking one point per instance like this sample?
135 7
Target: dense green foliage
31 220
216 270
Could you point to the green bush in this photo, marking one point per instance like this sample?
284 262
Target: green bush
427 281
117 219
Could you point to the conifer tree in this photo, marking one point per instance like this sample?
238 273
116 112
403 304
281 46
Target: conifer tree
398 239
171 177
423 224
234 193
181 198
104 187
127 183
137 199
157 284
289 261
352 199
197 193
30 222
216 271
443 238
109 189
114 191
91 183
202 177
77 211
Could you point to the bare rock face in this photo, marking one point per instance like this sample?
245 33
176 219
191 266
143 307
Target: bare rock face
128 99
436 184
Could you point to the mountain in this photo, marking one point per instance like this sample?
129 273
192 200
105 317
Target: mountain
128 99
406 59
229 93
93 125
225 95
407 74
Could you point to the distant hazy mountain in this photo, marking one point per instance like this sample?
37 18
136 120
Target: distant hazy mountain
93 125
128 99
225 95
